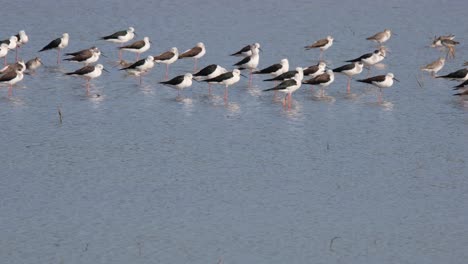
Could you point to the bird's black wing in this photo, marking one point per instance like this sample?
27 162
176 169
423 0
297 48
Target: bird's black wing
243 61
86 54
455 75
221 77
82 71
52 45
365 56
134 65
378 78
207 70
346 67
461 85
116 35
270 69
283 85
283 76
174 81
244 49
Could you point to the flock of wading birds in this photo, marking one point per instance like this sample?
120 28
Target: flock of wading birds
286 81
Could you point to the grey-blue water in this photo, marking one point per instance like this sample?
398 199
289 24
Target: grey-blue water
138 176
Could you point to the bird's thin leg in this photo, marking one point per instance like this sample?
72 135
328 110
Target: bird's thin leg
16 56
380 95
10 90
209 89
167 71
195 65
275 93
452 52
226 93
58 56
348 88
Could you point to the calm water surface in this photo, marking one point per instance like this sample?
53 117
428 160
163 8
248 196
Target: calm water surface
136 175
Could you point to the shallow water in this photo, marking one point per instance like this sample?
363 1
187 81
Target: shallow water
135 174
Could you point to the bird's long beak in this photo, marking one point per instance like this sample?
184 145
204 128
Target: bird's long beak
260 49
393 33
105 70
102 54
243 75
396 79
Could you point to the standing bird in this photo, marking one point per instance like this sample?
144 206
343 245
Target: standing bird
140 67
245 51
275 69
323 44
59 43
434 66
250 62
196 52
12 77
350 70
380 81
460 75
228 79
33 64
210 71
167 58
120 37
4 52
289 86
88 72
324 80
381 37
22 39
138 47
86 56
180 82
